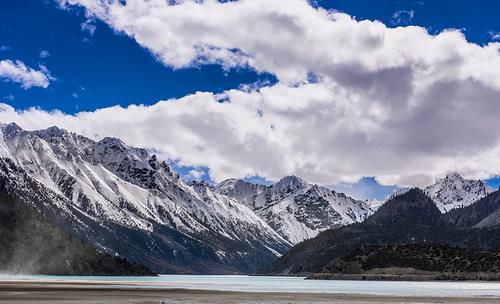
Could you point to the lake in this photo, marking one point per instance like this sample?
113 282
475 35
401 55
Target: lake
281 284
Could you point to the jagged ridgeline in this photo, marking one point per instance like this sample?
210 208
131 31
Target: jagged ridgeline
409 218
32 243
126 201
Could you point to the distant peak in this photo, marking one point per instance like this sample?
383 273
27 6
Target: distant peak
453 175
13 125
292 179
11 129
291 182
53 131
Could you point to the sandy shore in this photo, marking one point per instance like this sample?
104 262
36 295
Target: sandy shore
90 293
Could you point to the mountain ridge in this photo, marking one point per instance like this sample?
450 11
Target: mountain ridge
141 199
453 191
125 201
409 218
295 208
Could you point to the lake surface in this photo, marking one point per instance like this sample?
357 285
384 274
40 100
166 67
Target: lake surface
281 284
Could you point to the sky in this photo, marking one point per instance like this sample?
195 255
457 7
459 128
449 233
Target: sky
364 96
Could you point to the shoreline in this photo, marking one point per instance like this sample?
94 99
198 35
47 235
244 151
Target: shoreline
423 277
107 292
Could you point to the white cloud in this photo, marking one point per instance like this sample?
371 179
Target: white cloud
495 35
44 54
403 17
395 103
18 72
88 26
4 48
194 175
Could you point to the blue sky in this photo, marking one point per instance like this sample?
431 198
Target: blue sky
129 74
94 66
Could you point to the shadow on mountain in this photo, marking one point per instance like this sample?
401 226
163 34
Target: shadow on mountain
31 244
410 218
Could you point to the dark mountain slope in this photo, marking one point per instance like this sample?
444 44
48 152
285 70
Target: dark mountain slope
412 208
408 218
413 261
32 244
474 214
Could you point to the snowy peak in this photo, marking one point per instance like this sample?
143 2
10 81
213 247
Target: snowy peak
454 191
374 204
294 208
52 132
251 195
11 130
109 183
290 183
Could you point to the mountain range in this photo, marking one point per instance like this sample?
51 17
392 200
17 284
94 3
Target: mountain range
125 202
409 218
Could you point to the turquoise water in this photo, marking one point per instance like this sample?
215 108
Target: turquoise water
282 284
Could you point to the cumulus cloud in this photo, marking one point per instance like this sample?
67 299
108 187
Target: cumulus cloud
17 71
353 98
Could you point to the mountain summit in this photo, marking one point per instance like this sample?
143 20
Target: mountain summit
453 191
296 209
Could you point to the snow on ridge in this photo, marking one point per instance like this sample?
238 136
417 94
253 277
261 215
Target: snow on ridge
454 191
296 209
109 180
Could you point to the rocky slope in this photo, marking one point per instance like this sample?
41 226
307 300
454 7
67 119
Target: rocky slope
125 201
296 209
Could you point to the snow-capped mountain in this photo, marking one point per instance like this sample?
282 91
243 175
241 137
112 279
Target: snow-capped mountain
296 209
110 184
374 204
454 191
126 201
